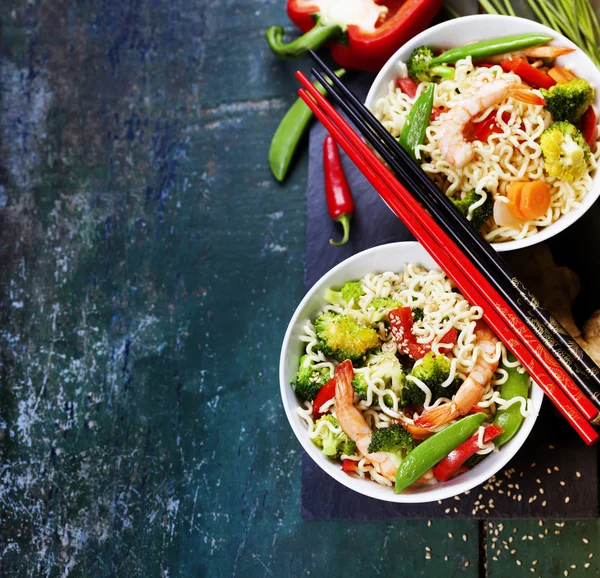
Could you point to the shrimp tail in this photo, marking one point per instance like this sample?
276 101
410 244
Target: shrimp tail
438 416
344 374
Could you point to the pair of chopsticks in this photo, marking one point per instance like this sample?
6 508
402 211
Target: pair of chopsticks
512 312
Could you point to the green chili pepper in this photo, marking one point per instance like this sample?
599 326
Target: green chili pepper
289 132
485 48
510 419
413 131
434 449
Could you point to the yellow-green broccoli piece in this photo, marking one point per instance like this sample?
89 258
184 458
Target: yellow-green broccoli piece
351 291
568 101
309 380
422 69
382 306
332 444
479 215
360 385
432 371
341 337
388 369
565 151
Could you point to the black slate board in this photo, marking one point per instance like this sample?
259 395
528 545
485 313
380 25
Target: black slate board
552 454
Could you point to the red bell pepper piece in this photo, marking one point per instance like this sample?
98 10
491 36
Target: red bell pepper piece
486 128
401 325
337 190
589 126
408 86
527 73
325 394
450 466
357 48
349 466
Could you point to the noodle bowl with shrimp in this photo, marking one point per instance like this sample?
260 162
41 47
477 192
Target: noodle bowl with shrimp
400 378
511 154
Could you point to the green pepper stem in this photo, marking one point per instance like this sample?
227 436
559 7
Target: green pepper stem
345 221
312 40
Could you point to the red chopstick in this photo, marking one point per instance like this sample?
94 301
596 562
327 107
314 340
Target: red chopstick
436 242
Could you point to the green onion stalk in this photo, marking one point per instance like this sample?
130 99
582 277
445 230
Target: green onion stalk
574 19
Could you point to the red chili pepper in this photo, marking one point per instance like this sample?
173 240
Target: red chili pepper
486 128
349 466
401 325
528 73
357 48
450 466
337 190
325 394
589 126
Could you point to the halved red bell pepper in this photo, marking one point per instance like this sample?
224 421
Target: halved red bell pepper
409 87
486 128
401 325
527 73
451 465
353 46
589 126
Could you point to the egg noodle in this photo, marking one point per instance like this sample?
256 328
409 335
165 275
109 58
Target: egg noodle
514 154
443 308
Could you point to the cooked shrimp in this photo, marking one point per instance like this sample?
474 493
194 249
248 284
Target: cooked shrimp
470 392
453 146
353 423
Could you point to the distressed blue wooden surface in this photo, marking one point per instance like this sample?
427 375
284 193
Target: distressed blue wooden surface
149 265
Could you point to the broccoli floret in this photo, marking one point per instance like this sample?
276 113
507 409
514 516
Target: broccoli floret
309 380
383 305
432 371
351 290
332 444
480 215
360 385
422 68
568 101
418 314
565 151
393 440
341 337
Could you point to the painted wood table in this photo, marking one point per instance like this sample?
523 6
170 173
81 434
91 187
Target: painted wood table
149 266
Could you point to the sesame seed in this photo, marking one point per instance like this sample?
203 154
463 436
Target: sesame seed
538 480
523 538
518 562
587 565
556 469
513 552
548 470
429 523
515 530
541 490
591 556
465 538
533 464
447 510
567 500
532 569
450 535
562 483
551 447
541 523
578 474
446 558
557 532
467 563
544 504
573 566
534 562
585 541
427 549
566 572
540 535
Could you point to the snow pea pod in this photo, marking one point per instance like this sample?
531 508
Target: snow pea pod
434 449
510 419
413 131
289 132
485 48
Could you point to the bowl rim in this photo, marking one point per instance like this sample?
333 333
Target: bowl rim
440 492
564 221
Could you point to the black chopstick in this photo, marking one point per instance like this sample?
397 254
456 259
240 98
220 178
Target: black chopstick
571 356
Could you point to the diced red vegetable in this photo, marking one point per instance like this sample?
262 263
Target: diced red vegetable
484 64
451 465
325 394
349 466
435 113
589 126
401 325
527 73
408 86
486 128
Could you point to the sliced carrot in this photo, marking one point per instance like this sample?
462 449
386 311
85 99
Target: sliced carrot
535 199
514 199
561 75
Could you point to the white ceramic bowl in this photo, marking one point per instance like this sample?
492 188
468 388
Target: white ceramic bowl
461 31
391 257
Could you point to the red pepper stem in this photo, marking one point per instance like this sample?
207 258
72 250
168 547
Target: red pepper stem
312 40
345 221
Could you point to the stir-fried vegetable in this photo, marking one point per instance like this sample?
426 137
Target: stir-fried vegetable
413 132
565 151
569 101
527 73
528 200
